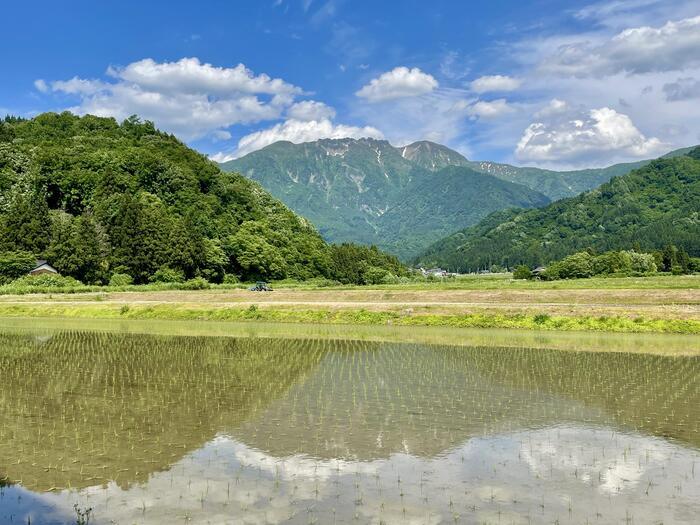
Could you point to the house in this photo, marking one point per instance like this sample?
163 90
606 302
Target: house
42 267
537 272
435 272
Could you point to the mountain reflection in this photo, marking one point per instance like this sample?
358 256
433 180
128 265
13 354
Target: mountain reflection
83 409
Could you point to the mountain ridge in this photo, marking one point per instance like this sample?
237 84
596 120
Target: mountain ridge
650 207
346 186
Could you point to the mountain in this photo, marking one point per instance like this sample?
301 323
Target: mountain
437 202
433 156
649 207
342 186
367 191
98 198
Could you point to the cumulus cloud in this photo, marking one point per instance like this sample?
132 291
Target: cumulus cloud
585 136
682 89
297 131
186 97
671 47
493 109
189 75
495 83
41 85
400 82
310 110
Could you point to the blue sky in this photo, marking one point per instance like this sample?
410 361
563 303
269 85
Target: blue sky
548 83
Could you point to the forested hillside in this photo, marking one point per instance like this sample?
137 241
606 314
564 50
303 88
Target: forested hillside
97 198
367 191
437 203
649 208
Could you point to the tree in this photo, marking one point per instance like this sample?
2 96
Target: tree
576 266
77 248
26 225
14 265
522 272
256 257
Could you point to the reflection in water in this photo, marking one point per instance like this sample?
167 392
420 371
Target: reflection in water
147 429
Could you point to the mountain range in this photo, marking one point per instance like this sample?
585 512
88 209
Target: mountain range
403 199
648 208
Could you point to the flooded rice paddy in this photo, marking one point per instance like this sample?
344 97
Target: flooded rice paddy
117 426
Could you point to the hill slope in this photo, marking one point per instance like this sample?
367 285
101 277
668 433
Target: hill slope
95 198
437 203
341 185
655 205
367 191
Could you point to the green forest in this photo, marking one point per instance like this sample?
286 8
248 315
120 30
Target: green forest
123 202
647 209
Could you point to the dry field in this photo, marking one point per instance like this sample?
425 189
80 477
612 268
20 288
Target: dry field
649 303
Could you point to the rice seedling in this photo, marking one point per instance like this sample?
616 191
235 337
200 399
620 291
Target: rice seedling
334 430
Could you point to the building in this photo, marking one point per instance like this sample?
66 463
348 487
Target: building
42 267
537 272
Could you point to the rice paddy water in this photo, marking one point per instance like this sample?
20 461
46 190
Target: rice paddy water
116 426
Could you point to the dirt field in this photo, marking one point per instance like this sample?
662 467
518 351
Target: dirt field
650 303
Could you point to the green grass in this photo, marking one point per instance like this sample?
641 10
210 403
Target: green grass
467 282
540 321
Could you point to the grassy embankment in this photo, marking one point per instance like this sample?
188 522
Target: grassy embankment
669 304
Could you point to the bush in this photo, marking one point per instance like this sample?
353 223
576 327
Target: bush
522 272
230 278
375 275
14 265
121 279
198 283
46 280
694 265
167 275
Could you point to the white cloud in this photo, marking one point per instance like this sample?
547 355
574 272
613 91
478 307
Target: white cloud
310 110
575 137
671 47
186 97
41 85
297 131
682 89
493 109
495 83
400 82
189 75
78 86
554 107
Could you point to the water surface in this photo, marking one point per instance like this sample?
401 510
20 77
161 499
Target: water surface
237 428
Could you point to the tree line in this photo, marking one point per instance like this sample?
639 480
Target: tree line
98 198
651 207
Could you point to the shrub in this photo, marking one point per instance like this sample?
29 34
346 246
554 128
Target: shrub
167 275
46 280
375 275
121 279
694 265
522 272
230 278
198 283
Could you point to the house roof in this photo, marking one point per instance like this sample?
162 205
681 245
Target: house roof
40 263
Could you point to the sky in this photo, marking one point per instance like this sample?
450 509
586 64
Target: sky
557 84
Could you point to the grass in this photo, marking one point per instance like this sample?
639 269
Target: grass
539 321
661 303
466 282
